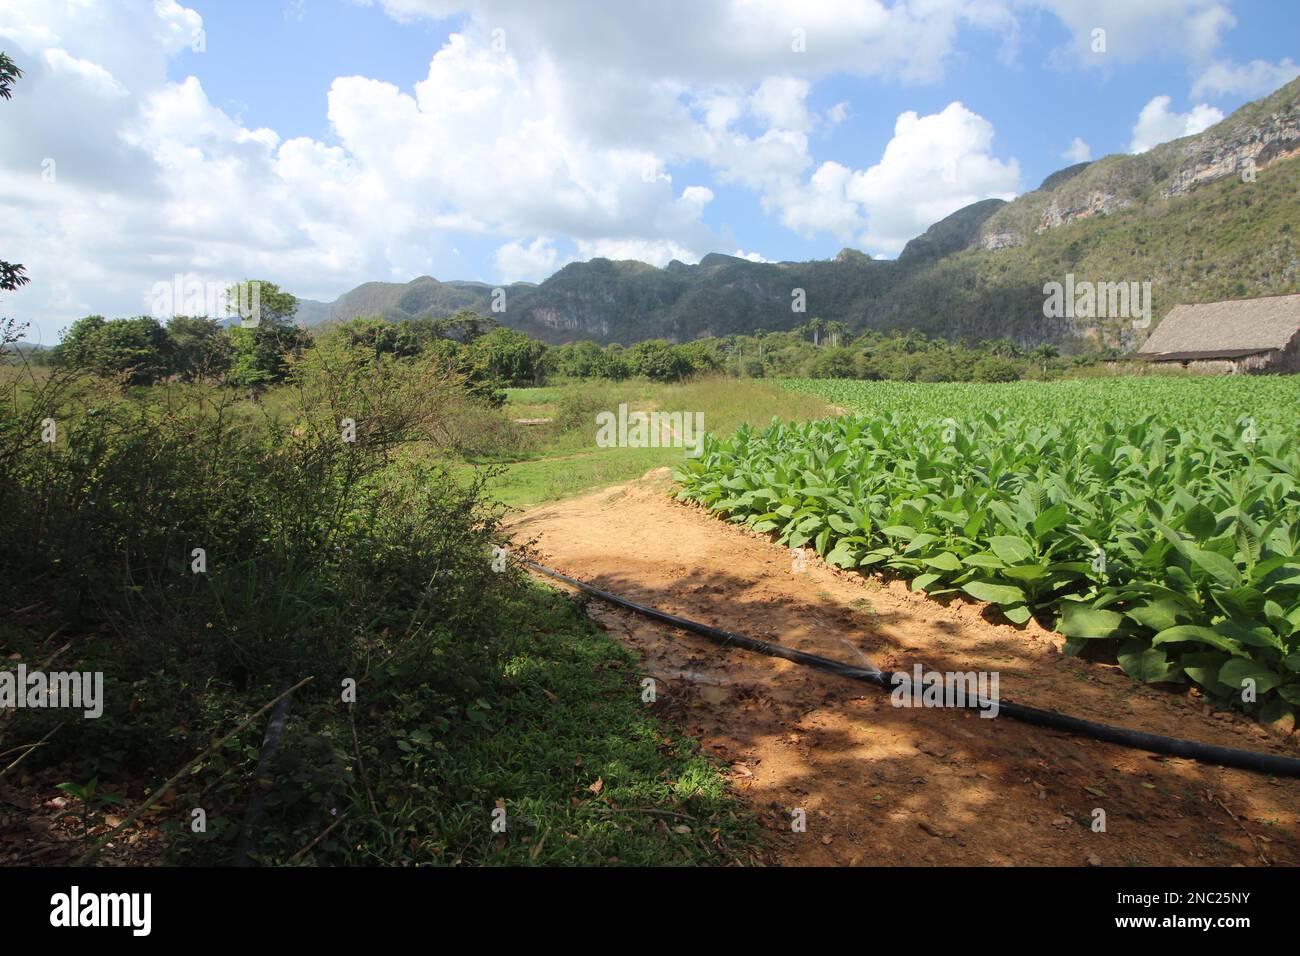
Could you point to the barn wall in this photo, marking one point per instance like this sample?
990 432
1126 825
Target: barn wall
1285 361
1212 366
1278 362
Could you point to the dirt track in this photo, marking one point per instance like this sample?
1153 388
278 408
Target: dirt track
882 785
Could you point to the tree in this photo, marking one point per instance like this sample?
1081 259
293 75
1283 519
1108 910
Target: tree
11 274
465 326
275 306
1045 353
380 337
658 361
262 351
833 363
702 354
262 354
199 347
137 348
1003 348
510 356
583 359
816 326
993 368
835 331
469 366
8 73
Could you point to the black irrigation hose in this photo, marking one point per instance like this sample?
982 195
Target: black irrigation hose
888 680
250 837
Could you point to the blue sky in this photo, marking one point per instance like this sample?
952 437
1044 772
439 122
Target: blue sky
323 143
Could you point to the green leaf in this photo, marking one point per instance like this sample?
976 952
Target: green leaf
1017 615
1199 522
1011 550
1237 671
1026 572
1157 615
1082 621
944 561
1145 663
994 593
1222 569
1051 519
1199 635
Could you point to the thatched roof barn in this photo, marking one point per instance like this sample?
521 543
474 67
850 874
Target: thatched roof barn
1245 335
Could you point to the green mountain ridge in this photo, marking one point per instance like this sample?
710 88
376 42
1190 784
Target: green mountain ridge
1203 217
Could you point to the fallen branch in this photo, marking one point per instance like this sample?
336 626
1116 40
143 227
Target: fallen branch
85 858
666 813
1237 820
324 833
8 714
361 764
26 749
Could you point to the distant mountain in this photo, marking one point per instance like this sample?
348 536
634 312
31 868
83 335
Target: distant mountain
1203 217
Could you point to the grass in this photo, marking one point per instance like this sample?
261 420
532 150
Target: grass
527 483
347 561
586 774
562 459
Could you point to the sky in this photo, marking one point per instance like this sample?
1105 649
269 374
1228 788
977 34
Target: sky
320 144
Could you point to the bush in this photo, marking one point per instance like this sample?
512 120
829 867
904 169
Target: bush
833 363
659 361
994 369
323 556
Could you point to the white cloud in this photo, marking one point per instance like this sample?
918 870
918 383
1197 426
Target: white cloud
932 167
779 103
751 256
1158 124
731 41
1254 79
566 139
531 263
1136 31
154 179
1078 151
657 252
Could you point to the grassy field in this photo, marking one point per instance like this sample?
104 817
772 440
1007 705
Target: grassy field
538 463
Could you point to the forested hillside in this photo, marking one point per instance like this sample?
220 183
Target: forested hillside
1204 217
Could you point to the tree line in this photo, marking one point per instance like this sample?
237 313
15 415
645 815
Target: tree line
488 356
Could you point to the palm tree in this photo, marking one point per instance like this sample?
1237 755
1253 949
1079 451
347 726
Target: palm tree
1045 353
816 326
835 330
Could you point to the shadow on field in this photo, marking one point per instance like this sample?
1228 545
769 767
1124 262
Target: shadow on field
880 784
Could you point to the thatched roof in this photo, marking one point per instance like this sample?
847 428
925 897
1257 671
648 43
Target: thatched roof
1226 329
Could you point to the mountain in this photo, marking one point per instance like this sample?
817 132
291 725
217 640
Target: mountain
1205 217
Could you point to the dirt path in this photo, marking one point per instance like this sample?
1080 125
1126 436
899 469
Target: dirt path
882 785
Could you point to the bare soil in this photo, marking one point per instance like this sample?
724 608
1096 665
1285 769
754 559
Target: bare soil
883 785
